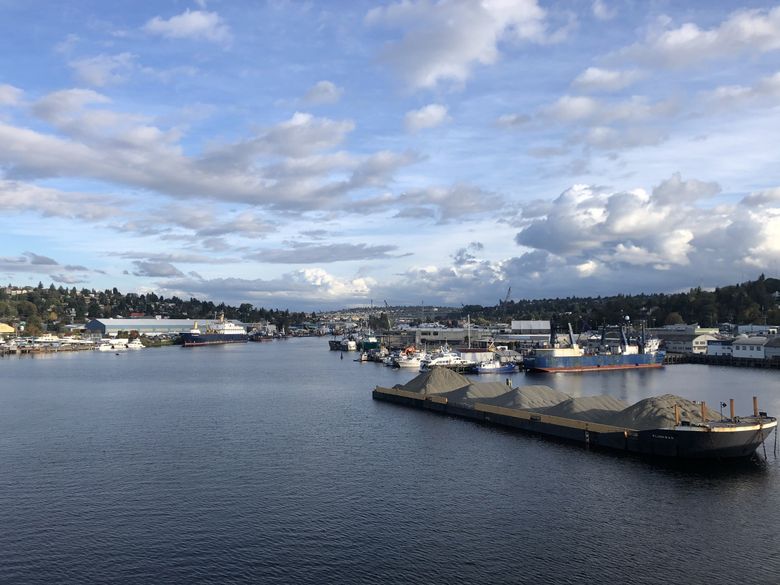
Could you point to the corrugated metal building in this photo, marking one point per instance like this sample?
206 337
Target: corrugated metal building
142 326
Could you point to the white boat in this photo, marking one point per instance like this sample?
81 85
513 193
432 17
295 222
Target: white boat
112 345
135 344
409 358
444 357
348 344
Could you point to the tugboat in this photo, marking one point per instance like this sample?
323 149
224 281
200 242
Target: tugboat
217 333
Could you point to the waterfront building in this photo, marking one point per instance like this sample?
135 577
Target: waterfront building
720 347
6 330
149 327
772 348
685 342
749 347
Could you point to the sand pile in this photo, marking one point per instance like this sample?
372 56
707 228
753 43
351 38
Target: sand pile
435 381
658 413
528 398
600 409
477 391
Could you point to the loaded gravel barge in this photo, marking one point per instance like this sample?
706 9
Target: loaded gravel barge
665 426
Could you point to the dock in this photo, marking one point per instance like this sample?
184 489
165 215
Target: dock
721 360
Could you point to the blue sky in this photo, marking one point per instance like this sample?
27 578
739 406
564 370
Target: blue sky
324 154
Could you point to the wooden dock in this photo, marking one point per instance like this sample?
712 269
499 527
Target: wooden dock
720 360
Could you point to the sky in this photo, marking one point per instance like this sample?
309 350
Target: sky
318 155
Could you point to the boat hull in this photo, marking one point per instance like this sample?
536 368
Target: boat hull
503 369
593 363
195 339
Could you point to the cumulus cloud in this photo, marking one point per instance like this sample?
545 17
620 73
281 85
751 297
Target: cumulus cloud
103 70
444 41
428 116
10 95
647 240
324 92
191 24
598 79
744 31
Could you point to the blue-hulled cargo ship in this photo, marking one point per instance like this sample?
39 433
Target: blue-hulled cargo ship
641 353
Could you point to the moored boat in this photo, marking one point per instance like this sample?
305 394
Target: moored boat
624 355
496 367
217 333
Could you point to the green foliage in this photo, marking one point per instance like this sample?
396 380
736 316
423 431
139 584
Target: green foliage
51 308
749 302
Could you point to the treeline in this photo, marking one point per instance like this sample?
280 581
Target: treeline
50 309
746 303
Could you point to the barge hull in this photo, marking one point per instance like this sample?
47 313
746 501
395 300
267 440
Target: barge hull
668 443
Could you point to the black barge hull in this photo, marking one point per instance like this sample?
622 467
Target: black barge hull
672 443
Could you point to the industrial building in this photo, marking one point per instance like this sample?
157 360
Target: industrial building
150 327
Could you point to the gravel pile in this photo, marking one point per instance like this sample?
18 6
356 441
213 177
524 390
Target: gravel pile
528 398
600 409
658 413
435 381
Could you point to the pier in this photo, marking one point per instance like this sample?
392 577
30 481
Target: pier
721 360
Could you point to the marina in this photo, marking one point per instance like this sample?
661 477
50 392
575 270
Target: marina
237 448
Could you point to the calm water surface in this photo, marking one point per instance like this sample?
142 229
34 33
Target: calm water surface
270 463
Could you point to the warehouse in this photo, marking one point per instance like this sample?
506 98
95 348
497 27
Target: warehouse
150 327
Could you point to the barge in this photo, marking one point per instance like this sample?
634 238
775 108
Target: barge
665 426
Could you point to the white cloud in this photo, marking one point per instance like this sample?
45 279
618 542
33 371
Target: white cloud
428 116
513 120
445 40
103 69
744 31
766 90
583 109
294 165
191 24
22 197
324 92
309 286
645 240
603 12
445 204
597 79
10 95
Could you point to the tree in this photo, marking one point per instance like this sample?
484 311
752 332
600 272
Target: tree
673 318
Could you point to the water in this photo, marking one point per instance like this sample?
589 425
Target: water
270 463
